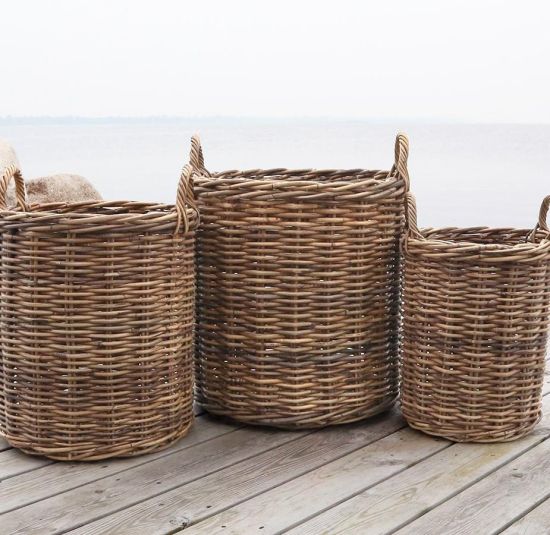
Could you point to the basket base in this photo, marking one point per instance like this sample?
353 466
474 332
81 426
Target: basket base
481 436
91 452
307 420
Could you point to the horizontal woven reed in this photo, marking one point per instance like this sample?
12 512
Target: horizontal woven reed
96 325
297 292
476 311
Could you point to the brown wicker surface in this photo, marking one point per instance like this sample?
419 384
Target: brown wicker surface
476 313
97 312
298 292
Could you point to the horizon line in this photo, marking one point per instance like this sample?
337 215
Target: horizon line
378 120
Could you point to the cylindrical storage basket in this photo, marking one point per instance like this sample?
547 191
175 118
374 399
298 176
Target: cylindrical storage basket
97 313
297 292
476 307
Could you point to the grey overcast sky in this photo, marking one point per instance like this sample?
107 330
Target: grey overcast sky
465 60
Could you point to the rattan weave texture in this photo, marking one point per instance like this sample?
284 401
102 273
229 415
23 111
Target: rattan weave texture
96 325
298 287
476 311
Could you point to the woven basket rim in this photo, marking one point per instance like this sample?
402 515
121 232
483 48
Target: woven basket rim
300 185
283 175
105 215
455 246
101 214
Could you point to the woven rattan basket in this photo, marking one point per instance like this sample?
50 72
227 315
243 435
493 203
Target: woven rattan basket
476 311
97 312
298 292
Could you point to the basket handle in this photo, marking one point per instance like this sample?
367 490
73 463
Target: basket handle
542 223
411 225
186 194
543 214
20 192
196 156
185 197
401 158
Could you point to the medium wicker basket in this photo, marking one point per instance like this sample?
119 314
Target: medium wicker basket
476 310
97 312
297 292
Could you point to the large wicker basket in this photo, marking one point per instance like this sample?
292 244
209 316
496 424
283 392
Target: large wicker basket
297 291
476 314
97 312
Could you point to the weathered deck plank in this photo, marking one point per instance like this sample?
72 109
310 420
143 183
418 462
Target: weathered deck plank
494 502
392 504
322 488
61 477
536 522
89 502
14 462
205 497
374 477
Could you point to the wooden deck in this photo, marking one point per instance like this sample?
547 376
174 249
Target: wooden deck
370 478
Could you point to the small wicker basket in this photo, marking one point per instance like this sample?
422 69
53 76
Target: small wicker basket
297 292
96 326
476 310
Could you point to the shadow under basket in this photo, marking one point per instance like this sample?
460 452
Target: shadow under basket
297 292
97 314
476 307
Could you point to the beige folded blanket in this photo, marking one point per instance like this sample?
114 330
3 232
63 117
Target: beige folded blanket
63 187
56 188
7 155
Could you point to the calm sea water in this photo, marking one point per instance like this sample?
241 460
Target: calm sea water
462 174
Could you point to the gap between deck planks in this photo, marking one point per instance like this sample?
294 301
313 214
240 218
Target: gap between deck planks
264 484
294 450
240 489
535 522
90 501
35 485
192 503
494 502
208 495
388 506
14 462
393 480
